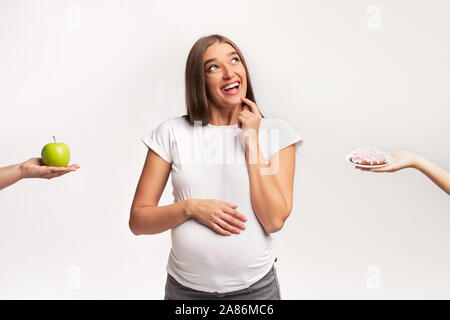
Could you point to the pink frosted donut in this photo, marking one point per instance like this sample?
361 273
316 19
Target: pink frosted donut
367 156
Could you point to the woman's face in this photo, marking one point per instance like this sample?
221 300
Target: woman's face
226 68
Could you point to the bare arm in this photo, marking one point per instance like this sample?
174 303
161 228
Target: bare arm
145 216
32 168
271 186
439 176
10 175
409 159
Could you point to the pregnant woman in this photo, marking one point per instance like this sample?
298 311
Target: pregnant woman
232 175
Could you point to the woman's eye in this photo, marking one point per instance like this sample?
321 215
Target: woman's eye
209 69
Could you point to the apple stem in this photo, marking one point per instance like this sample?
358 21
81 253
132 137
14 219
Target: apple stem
54 139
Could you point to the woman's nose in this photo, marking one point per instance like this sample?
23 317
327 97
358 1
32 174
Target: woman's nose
227 72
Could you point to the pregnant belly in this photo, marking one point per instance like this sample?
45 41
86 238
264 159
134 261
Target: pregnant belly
196 245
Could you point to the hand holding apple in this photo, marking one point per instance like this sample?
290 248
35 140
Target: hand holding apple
54 162
35 168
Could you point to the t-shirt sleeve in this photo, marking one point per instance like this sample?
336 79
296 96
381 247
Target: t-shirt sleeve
284 136
159 140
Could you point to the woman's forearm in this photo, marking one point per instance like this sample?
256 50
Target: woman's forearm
153 220
9 175
266 196
437 174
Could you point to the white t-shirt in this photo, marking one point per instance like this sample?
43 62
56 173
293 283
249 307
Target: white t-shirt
208 162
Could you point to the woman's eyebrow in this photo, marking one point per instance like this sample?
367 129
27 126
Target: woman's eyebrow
214 59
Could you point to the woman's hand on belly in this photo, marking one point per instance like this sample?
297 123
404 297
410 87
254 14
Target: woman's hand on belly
218 215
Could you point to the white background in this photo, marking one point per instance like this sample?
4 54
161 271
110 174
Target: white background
100 74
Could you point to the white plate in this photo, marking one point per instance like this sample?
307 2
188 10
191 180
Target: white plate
386 156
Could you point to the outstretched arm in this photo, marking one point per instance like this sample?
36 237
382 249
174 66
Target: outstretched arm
10 175
409 159
32 168
438 175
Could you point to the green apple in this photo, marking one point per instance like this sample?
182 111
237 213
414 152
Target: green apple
55 154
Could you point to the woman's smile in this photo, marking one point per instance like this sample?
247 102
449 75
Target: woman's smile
233 88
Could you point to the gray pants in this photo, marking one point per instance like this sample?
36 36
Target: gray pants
265 289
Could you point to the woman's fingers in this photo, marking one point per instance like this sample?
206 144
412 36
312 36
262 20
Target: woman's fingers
235 224
224 225
219 230
230 204
231 216
225 220
231 210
